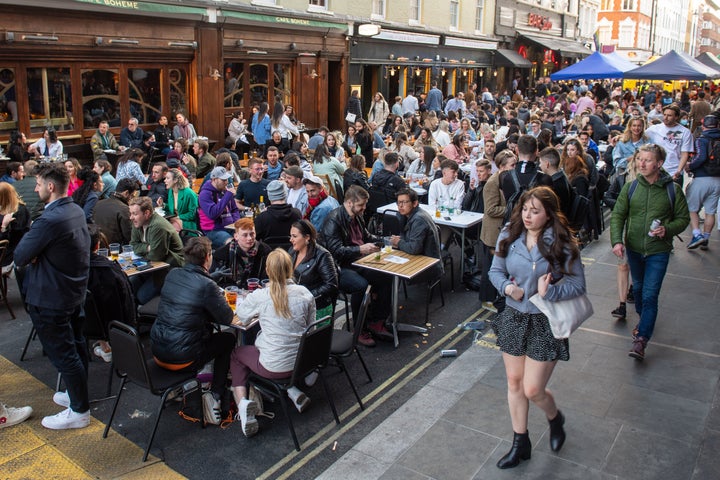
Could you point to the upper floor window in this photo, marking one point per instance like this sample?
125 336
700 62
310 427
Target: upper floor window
415 10
479 7
454 13
318 4
378 8
628 5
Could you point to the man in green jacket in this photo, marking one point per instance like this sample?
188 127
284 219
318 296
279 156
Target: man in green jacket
648 243
155 239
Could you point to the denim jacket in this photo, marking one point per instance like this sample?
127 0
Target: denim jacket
526 267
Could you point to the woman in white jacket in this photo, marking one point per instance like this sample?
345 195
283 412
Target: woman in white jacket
281 123
285 310
379 111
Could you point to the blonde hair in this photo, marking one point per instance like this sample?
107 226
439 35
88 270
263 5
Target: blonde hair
279 269
179 179
9 199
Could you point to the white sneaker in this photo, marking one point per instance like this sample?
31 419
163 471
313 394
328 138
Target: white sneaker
67 419
299 399
62 399
10 416
246 414
211 409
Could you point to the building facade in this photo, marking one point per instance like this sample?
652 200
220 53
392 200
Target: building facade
708 28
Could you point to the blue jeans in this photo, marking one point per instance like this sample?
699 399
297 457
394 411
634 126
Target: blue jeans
218 237
60 333
648 272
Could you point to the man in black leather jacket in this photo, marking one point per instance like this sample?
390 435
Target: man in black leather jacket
182 336
344 234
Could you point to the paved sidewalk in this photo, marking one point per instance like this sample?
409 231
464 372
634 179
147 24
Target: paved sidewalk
624 419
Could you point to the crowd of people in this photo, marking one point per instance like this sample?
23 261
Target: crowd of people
541 168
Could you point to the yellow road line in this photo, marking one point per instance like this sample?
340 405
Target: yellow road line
432 352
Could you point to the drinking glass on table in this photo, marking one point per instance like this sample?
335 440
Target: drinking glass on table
253 284
114 251
103 252
231 296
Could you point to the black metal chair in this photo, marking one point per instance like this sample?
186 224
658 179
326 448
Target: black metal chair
312 356
132 364
393 223
344 344
20 278
278 241
95 328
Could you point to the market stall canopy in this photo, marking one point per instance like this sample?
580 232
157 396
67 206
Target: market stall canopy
597 65
673 66
709 59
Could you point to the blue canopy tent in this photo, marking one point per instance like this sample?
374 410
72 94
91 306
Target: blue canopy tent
673 66
597 65
709 60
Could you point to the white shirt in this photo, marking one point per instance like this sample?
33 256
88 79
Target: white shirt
410 104
279 338
55 149
298 199
286 128
674 140
441 194
442 138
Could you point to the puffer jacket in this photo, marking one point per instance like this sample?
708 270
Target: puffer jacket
525 267
190 302
703 149
335 236
317 273
648 203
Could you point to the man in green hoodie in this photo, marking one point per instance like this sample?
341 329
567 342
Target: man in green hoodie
647 243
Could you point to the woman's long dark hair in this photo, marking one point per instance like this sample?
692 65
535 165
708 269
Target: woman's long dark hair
278 112
564 248
89 178
321 153
262 111
429 155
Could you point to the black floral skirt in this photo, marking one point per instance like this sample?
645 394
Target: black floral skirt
528 334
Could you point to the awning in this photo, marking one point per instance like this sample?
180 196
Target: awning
567 48
510 58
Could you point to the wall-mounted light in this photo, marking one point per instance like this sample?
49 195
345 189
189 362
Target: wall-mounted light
215 74
494 73
417 58
418 71
482 72
40 38
464 72
239 43
192 45
392 71
391 56
443 72
123 41
293 46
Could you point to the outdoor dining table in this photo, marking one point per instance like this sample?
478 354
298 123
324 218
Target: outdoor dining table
154 267
458 223
400 265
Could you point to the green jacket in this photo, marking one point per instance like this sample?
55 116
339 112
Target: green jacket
161 244
648 203
186 209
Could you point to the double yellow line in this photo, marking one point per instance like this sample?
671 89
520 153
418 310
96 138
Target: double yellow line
404 375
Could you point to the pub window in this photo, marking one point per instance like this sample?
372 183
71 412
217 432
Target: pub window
234 75
258 83
8 100
415 10
100 98
145 98
178 91
282 78
50 99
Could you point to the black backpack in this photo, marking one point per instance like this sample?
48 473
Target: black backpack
712 164
515 197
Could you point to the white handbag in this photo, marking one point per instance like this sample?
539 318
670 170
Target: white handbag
565 316
350 117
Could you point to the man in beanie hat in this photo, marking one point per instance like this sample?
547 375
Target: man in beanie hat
297 195
275 222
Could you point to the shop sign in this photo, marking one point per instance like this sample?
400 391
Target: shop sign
539 22
476 44
301 22
145 6
397 36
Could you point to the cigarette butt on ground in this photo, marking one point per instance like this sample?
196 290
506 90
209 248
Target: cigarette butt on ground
334 446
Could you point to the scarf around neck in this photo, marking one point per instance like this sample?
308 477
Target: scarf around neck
314 202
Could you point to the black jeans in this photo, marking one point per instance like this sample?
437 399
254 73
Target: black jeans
487 291
219 347
61 335
356 281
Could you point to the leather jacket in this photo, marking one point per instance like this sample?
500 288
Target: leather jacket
335 236
317 273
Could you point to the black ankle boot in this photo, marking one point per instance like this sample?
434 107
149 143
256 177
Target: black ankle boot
557 432
520 450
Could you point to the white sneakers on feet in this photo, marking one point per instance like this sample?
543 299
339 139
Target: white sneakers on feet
10 416
246 414
211 409
299 399
67 419
62 399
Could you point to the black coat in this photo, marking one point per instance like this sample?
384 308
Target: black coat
335 236
276 221
111 290
241 267
190 302
317 273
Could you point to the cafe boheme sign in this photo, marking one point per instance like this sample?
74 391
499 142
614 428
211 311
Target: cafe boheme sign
539 22
145 6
